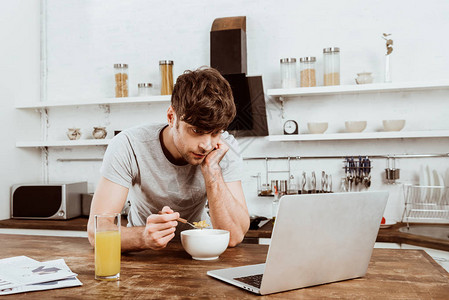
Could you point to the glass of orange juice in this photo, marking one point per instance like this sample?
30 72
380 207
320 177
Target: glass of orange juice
107 247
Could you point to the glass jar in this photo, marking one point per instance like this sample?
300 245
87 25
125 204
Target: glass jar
166 71
144 89
308 73
331 58
275 205
288 73
121 80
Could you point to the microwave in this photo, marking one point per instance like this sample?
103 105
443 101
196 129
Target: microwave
47 200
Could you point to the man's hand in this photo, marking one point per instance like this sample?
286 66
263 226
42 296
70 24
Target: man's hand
160 229
210 165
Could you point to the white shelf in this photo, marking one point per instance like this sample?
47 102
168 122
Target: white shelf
67 143
363 88
272 138
359 136
101 101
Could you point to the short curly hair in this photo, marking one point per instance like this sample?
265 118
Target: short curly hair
203 98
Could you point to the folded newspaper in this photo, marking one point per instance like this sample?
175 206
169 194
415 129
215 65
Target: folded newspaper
23 274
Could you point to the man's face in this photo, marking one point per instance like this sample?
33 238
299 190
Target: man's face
192 143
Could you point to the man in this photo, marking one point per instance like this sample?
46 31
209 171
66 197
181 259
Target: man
169 171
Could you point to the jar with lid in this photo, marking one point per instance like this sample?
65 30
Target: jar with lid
166 71
275 205
308 71
288 73
121 80
331 62
144 89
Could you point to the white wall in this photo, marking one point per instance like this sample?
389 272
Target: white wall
85 38
19 82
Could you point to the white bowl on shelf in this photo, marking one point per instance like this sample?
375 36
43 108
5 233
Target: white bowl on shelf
355 126
393 125
205 244
317 127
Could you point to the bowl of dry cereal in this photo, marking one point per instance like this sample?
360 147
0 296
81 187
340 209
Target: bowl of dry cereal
205 244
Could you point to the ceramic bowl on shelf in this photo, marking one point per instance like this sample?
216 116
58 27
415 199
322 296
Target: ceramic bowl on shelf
364 78
74 133
99 132
317 127
205 244
393 125
355 126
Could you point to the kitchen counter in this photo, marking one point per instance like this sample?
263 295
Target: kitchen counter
171 273
387 235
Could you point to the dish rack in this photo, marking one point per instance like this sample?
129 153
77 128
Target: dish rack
426 204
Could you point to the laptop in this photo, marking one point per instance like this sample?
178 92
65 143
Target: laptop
316 239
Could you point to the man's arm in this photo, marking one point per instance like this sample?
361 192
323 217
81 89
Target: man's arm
110 197
227 205
227 208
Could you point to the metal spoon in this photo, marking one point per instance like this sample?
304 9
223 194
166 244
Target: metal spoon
186 222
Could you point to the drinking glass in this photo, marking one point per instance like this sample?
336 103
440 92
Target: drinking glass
107 246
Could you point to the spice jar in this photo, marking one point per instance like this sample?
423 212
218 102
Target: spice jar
331 58
144 89
288 73
166 70
308 73
121 80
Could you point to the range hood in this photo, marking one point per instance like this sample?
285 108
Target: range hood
228 56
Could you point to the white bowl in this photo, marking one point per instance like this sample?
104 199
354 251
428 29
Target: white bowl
393 125
205 244
355 126
317 127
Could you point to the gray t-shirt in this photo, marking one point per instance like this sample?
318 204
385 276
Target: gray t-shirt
134 159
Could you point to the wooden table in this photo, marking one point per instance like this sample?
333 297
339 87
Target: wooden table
171 273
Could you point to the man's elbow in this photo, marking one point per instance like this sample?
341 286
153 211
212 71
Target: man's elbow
237 238
234 242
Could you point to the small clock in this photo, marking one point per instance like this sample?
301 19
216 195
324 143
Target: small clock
290 127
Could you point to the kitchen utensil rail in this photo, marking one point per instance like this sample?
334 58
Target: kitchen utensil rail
344 156
296 157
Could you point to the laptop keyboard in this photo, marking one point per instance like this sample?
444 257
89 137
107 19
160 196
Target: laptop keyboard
254 280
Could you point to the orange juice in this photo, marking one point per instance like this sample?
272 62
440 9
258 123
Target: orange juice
107 253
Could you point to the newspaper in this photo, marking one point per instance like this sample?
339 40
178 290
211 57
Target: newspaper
22 274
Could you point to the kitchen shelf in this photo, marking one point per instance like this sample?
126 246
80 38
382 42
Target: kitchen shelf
354 89
272 138
359 136
67 143
99 101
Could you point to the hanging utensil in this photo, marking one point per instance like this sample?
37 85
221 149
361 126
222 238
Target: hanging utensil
323 182
326 182
346 181
351 173
303 183
368 171
313 181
